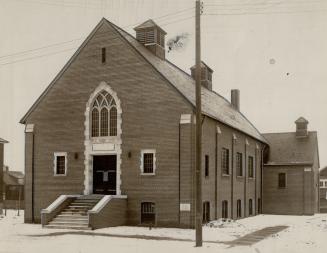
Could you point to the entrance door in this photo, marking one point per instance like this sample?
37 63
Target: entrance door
104 174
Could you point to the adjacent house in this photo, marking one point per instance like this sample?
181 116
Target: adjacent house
323 189
291 172
111 140
13 189
2 143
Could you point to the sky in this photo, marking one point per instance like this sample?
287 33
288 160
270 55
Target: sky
274 51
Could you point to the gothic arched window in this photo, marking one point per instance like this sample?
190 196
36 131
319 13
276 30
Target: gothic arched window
104 115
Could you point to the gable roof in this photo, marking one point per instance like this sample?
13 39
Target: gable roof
203 65
323 172
213 105
148 24
3 141
286 148
301 120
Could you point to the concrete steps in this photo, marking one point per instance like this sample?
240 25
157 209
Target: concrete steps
75 216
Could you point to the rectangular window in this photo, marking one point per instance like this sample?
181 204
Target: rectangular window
148 215
321 183
148 161
103 55
281 180
224 211
206 166
60 164
225 161
239 208
251 166
206 212
239 164
250 207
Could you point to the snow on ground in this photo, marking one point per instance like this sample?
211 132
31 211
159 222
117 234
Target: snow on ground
304 234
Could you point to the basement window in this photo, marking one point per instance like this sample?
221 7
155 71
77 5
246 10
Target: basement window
60 164
250 207
239 208
148 214
224 211
206 212
148 161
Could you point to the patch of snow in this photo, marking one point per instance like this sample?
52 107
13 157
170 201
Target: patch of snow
304 234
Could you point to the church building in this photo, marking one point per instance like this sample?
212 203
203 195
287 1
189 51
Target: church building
111 140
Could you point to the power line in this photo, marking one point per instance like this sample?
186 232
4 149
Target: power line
266 3
97 36
39 48
264 13
66 42
39 56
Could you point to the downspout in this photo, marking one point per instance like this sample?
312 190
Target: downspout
261 183
255 180
232 180
179 173
245 169
216 174
33 178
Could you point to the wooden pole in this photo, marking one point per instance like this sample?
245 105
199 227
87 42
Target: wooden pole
198 174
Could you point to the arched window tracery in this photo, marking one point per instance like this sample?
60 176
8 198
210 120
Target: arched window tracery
104 116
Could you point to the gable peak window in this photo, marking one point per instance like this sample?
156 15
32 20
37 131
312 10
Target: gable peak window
104 116
103 55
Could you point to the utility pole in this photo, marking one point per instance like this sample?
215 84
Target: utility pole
198 156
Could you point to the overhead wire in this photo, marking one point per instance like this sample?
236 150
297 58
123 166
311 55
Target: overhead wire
24 52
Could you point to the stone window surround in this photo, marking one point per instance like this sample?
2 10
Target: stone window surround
145 151
55 155
89 152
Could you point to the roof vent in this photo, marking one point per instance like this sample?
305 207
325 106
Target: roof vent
152 37
301 127
206 75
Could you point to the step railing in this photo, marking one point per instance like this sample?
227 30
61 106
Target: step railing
110 211
56 207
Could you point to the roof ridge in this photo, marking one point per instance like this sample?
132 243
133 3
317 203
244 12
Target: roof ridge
192 80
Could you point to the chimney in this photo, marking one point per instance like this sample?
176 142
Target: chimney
235 99
152 37
301 127
206 75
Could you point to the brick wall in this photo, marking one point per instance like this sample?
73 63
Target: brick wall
113 214
244 188
1 173
295 198
151 110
